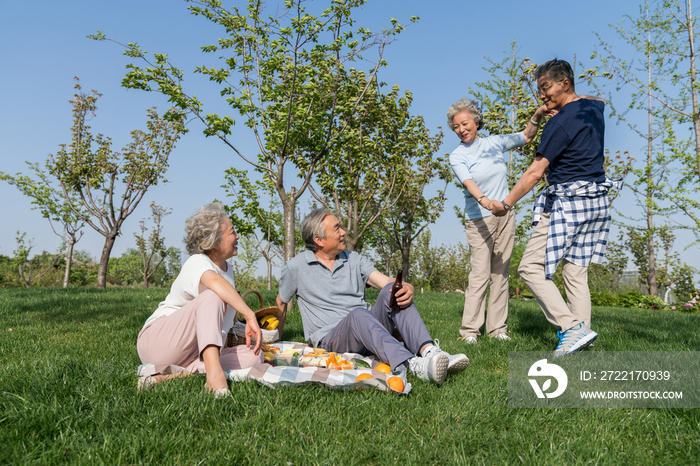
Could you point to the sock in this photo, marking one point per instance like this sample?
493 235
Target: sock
427 350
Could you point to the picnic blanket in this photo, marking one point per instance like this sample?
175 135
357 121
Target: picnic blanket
280 376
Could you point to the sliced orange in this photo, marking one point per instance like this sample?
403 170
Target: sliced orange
383 368
339 364
363 376
395 383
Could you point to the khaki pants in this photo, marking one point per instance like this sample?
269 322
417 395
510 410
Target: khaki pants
180 338
491 244
562 314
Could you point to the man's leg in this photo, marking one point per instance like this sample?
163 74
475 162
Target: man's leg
504 238
578 296
413 331
546 293
407 321
361 332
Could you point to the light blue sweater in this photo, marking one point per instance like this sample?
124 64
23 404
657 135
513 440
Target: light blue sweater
482 161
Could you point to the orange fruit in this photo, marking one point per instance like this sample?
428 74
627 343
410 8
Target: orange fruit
395 383
383 368
363 376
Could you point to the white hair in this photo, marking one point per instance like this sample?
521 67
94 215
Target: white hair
203 228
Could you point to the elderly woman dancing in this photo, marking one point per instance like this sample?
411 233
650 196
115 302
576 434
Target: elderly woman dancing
186 329
479 165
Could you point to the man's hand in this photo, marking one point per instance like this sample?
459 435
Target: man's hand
497 209
404 297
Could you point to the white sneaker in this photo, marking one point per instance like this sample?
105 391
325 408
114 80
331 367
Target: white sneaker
469 340
431 368
457 362
574 339
502 337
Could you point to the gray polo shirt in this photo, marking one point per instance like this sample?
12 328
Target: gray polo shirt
325 297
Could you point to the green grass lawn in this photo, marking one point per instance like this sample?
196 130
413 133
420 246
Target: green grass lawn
68 395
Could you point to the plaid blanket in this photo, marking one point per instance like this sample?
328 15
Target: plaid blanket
579 224
279 376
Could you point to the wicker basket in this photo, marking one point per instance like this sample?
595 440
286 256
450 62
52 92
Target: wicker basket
236 335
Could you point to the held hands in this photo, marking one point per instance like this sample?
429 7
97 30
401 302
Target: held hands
497 209
252 329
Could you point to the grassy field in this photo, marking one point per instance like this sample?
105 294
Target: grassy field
68 396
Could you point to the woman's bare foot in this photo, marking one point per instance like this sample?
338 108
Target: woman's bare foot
149 381
216 379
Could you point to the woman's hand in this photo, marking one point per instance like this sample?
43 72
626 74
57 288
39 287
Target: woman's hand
252 329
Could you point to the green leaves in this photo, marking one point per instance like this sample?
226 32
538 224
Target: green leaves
284 75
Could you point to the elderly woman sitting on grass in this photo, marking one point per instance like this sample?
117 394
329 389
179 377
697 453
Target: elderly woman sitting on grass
186 329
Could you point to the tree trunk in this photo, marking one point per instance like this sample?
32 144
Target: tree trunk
268 259
145 282
289 227
650 186
406 260
693 83
69 260
104 261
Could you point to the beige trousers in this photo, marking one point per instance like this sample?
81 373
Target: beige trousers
490 241
562 314
180 338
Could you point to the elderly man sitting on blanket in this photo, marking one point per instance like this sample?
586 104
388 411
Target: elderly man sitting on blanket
329 283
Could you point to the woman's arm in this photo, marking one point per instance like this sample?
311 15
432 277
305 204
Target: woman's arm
533 125
230 296
477 194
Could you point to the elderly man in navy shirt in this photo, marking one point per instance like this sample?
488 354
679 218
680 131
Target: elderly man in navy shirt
330 282
572 214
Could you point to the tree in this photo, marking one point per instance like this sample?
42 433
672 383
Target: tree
440 268
647 78
359 178
607 276
90 171
244 265
414 211
54 207
31 270
126 269
284 76
248 215
152 249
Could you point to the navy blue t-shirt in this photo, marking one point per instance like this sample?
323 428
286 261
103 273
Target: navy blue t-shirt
573 143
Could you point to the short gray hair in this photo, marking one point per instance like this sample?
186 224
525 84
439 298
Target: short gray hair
312 226
203 228
558 70
465 104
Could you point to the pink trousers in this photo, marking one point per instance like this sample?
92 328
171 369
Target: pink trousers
180 338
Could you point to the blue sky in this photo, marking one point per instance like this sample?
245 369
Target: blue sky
43 45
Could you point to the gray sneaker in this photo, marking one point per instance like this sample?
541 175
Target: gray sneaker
457 362
574 339
431 368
